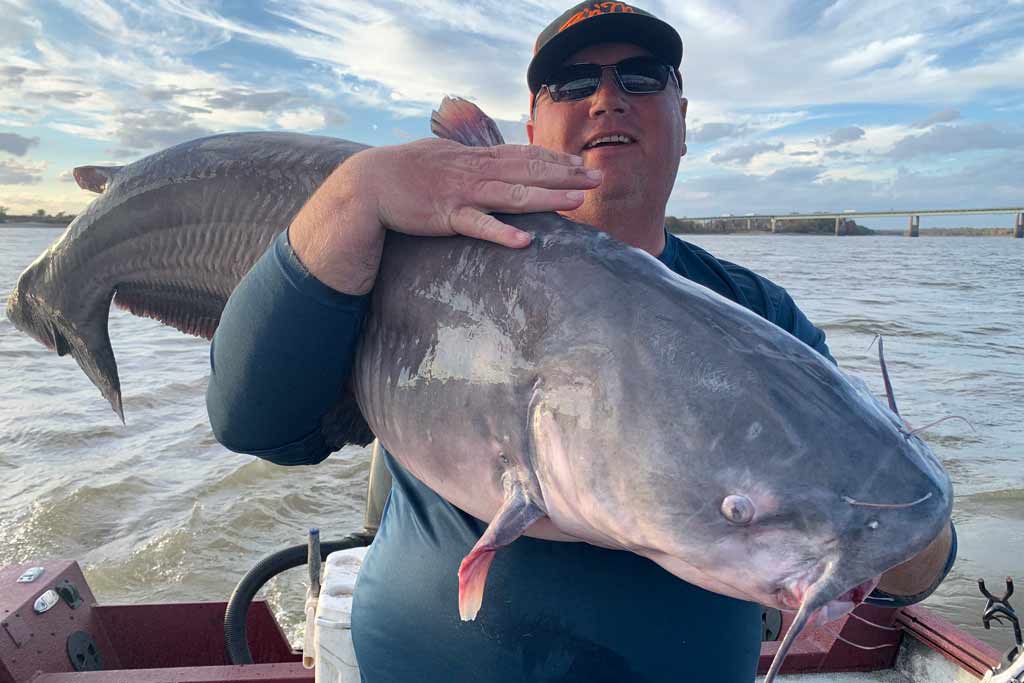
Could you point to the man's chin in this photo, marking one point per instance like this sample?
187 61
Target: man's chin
617 192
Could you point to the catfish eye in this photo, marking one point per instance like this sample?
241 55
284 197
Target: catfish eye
738 510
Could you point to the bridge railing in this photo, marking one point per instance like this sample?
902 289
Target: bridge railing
913 227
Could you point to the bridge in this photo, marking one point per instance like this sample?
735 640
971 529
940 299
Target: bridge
913 229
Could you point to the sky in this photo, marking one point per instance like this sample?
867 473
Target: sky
793 106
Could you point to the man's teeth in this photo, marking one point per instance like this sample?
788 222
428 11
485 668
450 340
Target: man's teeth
609 139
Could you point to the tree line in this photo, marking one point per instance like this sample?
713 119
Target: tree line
742 224
40 216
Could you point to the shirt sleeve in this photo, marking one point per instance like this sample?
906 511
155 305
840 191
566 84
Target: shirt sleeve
283 349
776 305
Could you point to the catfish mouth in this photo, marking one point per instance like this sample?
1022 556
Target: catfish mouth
793 595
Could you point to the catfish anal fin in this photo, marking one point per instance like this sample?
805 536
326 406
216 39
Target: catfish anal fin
513 518
192 312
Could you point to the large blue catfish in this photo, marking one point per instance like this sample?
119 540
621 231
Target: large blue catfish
574 390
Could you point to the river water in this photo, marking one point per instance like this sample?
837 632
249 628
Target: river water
157 510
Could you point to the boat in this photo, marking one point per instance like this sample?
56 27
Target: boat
53 630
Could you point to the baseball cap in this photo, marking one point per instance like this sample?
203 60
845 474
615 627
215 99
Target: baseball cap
594 22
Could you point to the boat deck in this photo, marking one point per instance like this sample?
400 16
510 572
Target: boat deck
915 663
76 640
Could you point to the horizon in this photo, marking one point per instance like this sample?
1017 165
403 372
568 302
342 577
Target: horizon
26 219
892 104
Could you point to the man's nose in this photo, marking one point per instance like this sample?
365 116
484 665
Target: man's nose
608 97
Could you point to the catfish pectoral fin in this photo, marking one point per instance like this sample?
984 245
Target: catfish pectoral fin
513 518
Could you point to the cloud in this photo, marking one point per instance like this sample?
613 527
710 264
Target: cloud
16 173
64 96
709 132
306 119
796 175
943 116
140 76
843 135
145 130
470 50
813 188
333 117
859 58
513 132
947 139
15 144
244 98
744 153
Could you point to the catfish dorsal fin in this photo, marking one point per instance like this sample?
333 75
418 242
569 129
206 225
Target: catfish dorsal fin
95 178
460 120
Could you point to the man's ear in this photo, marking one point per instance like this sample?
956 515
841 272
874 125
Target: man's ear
683 102
529 130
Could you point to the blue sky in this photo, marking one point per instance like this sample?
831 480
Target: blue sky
805 106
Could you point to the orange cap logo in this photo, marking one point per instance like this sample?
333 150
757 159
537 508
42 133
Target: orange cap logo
596 10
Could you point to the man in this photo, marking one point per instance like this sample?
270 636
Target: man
606 144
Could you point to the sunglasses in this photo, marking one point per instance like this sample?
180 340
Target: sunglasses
636 76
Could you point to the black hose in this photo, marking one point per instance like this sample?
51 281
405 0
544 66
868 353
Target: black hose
237 612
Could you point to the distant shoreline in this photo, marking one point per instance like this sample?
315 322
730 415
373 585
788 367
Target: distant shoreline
57 224
847 227
924 232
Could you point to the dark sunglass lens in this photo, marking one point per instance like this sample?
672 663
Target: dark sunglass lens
575 82
642 75
575 89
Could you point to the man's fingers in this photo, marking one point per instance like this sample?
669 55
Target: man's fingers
535 152
495 195
472 223
541 173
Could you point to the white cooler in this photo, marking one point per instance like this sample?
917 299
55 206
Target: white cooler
331 646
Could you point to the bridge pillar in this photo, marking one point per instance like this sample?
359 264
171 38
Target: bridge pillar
915 226
839 226
1018 229
774 229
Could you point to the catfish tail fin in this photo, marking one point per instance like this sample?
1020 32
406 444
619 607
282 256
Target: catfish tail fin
76 327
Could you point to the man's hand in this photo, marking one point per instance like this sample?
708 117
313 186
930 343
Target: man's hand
429 187
920 572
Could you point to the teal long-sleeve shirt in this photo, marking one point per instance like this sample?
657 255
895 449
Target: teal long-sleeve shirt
553 611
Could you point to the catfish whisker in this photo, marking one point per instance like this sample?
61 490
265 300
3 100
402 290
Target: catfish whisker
887 506
948 417
885 375
871 623
860 647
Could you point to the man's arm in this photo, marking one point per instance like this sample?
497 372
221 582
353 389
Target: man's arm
283 349
918 577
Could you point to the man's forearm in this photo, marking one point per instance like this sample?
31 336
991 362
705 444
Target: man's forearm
337 235
921 572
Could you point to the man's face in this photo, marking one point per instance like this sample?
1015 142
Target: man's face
635 173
